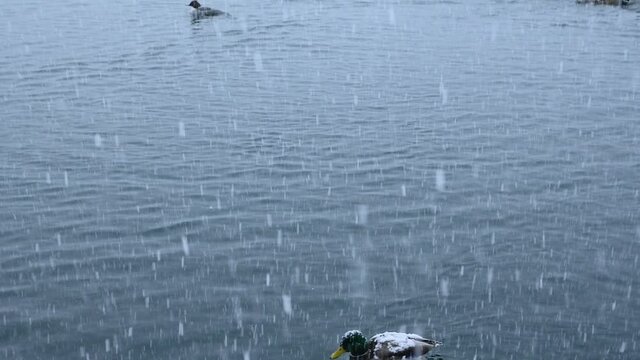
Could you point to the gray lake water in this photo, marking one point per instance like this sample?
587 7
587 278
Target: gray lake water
252 187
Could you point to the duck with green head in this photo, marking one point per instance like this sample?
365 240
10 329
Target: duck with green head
384 346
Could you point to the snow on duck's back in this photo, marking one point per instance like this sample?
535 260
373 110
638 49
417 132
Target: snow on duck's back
401 344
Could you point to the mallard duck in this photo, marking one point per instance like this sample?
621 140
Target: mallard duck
385 346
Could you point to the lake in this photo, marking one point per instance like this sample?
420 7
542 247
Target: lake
251 187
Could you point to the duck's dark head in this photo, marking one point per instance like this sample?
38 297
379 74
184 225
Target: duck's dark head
352 342
194 4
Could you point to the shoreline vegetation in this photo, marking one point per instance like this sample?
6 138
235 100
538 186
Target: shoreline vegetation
605 2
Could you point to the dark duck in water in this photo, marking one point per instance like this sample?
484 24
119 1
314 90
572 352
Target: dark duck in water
198 11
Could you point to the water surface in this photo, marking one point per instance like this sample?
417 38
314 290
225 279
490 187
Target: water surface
252 187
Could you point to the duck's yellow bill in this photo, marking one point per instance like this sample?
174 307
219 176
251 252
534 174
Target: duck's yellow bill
336 354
